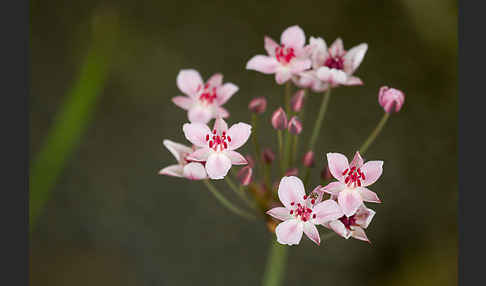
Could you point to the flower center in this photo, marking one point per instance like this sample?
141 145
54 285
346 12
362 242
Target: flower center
354 177
348 221
284 55
208 94
302 212
334 63
216 140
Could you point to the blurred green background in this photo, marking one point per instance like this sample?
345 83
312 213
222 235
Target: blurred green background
103 74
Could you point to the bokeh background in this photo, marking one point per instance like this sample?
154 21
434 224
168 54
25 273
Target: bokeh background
102 76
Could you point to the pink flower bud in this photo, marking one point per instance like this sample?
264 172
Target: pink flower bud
326 174
258 105
308 159
391 99
292 172
245 175
279 119
295 126
250 160
297 101
268 156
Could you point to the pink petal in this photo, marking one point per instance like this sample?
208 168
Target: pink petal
353 80
332 76
217 165
189 81
359 233
172 170
239 134
333 188
289 232
354 57
183 102
220 125
337 48
339 228
349 200
357 161
270 45
279 213
291 190
300 65
200 155
215 80
221 112
293 37
282 75
236 158
225 92
177 150
199 114
368 196
196 133
318 51
194 171
364 216
311 231
326 211
337 163
263 64
372 171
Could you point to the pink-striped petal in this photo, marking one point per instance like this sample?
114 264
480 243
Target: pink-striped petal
326 211
263 64
339 228
332 76
291 190
333 188
189 81
289 232
350 200
194 171
183 102
215 80
177 150
364 216
368 195
359 233
199 114
283 75
300 65
311 231
337 163
293 37
200 155
225 92
220 125
172 170
353 80
354 57
217 165
236 158
221 112
280 213
357 161
372 171
196 133
239 134
337 48
270 45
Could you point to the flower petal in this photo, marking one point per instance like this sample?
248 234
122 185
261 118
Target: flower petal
194 171
332 76
263 64
368 195
372 171
291 190
357 161
359 233
300 65
353 80
280 213
225 92
196 133
200 155
311 231
239 134
220 125
337 163
177 150
183 102
270 45
364 216
221 112
339 228
189 81
333 188
289 232
337 48
217 165
172 170
200 114
293 37
236 158
326 211
349 200
354 57
282 75
215 80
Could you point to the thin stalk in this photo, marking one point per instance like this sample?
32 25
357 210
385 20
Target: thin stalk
280 149
320 117
295 146
306 176
227 203
266 175
287 150
374 133
288 91
276 261
239 191
254 131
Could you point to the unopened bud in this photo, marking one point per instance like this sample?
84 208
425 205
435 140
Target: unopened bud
295 126
308 159
279 119
268 156
292 172
250 160
391 99
258 105
245 175
297 101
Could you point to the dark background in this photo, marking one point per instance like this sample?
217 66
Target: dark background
111 220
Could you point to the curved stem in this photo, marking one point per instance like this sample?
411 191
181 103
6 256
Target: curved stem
238 191
225 202
374 133
320 117
277 258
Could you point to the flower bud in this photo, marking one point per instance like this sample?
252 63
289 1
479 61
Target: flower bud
297 101
326 174
245 175
268 156
250 160
308 159
258 105
295 126
391 99
292 172
279 119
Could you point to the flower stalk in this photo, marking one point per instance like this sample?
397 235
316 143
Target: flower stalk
320 117
277 258
234 209
371 138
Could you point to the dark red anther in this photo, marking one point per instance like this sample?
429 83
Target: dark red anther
211 144
345 171
292 203
313 201
229 138
291 212
346 180
305 197
314 216
225 145
363 176
207 137
359 183
214 131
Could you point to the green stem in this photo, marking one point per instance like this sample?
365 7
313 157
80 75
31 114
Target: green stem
288 92
374 134
266 176
254 120
320 117
225 202
239 191
306 176
275 264
288 145
280 149
295 146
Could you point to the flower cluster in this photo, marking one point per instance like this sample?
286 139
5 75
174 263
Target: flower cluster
338 206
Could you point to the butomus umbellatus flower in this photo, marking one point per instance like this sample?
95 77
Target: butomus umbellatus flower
184 168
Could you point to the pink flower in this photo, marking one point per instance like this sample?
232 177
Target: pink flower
295 126
301 213
352 179
184 167
279 119
258 105
391 99
217 147
354 225
331 66
204 100
284 60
